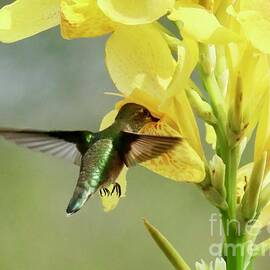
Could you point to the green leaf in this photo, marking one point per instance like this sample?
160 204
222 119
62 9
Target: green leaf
167 248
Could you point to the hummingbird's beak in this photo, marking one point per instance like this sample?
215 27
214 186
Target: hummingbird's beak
73 207
78 199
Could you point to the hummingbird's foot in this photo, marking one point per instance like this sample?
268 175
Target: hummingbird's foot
104 192
117 189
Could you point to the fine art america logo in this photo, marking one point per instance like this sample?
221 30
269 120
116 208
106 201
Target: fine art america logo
245 245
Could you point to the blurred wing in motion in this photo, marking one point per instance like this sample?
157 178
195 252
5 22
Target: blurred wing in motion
63 144
140 147
181 163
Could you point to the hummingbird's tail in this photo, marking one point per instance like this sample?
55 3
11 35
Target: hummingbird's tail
80 196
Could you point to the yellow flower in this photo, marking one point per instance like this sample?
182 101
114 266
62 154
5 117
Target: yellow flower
200 23
262 142
90 18
24 18
142 67
135 12
83 18
78 18
254 18
249 82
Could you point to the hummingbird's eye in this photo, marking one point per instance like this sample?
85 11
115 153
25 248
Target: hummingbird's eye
146 113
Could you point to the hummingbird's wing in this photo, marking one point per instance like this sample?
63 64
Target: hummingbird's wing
63 144
137 148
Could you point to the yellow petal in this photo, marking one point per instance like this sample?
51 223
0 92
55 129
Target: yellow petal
257 29
202 25
180 164
254 16
110 202
211 137
134 12
262 142
83 18
25 18
142 98
179 110
139 57
108 119
256 5
176 105
188 55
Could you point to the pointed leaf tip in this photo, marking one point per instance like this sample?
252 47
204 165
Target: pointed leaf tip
167 248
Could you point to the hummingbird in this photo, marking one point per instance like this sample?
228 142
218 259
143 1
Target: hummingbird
100 155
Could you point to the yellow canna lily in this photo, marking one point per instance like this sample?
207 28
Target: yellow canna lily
253 16
25 18
249 82
142 67
77 18
90 18
84 18
262 142
200 23
136 11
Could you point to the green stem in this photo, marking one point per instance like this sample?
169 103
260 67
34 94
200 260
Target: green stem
251 265
235 252
216 100
234 247
232 162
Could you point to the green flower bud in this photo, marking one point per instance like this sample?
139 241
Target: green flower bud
201 107
215 198
170 252
217 168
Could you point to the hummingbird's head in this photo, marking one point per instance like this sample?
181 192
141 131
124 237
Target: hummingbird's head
135 116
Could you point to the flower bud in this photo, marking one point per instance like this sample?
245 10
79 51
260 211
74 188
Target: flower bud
217 168
237 123
264 197
215 198
211 136
208 58
250 200
222 71
173 256
201 107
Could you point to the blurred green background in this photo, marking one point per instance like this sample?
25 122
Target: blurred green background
51 83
